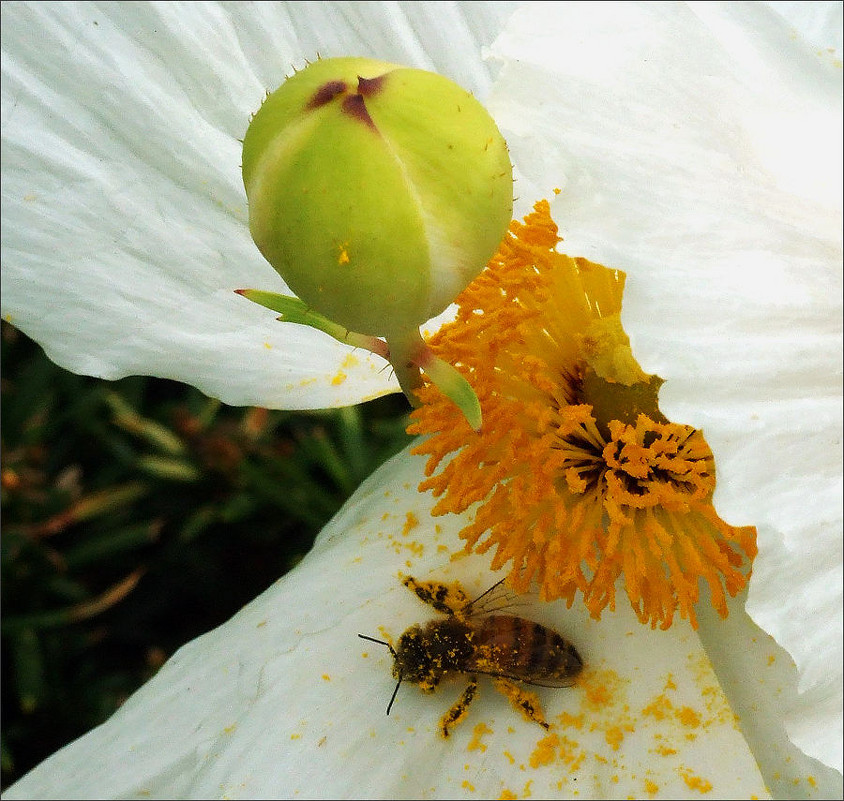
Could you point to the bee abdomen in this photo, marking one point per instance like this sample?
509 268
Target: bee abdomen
527 650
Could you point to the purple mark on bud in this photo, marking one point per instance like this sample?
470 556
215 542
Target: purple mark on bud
354 106
369 86
326 93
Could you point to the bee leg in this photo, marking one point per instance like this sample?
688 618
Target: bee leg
525 702
459 710
445 598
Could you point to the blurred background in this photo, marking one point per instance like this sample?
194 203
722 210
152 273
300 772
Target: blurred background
138 514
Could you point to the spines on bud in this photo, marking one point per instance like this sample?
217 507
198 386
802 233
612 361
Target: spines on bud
377 191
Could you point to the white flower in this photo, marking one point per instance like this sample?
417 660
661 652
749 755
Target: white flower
704 146
696 148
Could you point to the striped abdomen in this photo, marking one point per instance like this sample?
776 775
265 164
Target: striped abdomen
516 648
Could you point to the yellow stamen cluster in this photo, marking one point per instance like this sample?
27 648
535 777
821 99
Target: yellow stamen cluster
576 478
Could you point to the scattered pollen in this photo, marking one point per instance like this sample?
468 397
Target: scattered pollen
695 782
570 721
571 753
476 744
578 478
602 688
688 717
660 708
665 750
615 737
339 378
411 522
326 677
545 751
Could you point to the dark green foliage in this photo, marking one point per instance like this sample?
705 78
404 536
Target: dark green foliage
139 514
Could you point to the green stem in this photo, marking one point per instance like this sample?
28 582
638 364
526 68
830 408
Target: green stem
293 310
404 354
410 355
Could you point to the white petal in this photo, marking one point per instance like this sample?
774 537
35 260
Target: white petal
286 701
819 24
124 222
698 147
760 681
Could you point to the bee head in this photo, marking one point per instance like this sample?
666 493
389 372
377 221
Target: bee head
415 661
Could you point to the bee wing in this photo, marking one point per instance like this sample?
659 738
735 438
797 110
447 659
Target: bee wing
515 648
498 598
544 682
517 673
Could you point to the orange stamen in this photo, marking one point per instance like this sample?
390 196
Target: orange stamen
580 482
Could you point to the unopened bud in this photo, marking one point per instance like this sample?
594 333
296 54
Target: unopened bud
377 191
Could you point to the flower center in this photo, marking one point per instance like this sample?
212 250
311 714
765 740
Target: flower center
577 479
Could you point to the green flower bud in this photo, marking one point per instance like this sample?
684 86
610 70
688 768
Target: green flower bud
378 192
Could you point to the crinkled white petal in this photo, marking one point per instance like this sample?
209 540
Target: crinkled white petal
286 701
759 679
124 218
698 147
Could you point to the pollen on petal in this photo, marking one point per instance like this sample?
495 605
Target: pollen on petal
577 481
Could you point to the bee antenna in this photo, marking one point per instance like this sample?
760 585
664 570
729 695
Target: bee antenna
380 642
393 652
390 705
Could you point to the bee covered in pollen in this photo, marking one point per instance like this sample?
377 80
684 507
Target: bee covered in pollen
474 639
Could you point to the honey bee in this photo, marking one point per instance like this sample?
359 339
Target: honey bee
474 640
